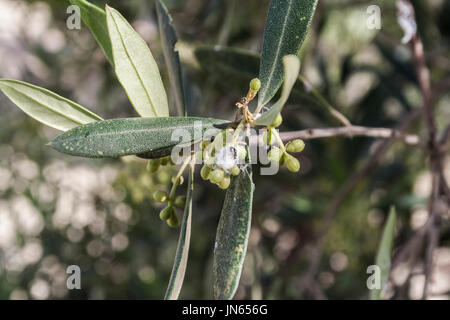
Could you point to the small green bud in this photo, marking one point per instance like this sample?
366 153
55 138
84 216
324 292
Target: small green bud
235 171
225 183
216 176
166 213
292 163
180 201
180 182
255 84
160 196
275 154
277 122
204 173
153 165
173 221
295 146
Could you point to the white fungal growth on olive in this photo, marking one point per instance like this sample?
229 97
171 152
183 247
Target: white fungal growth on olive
227 158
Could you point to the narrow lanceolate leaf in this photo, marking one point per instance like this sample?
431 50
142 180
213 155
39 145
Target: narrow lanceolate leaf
233 67
291 65
181 257
287 24
95 19
169 40
133 136
383 260
136 68
232 236
46 106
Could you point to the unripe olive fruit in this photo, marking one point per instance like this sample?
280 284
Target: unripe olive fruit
235 171
173 221
225 183
166 213
292 163
160 196
180 201
255 84
204 173
277 122
275 154
295 146
216 176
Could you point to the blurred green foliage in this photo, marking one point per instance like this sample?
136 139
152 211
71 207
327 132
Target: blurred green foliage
100 215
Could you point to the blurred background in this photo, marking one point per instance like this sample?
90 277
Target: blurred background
57 210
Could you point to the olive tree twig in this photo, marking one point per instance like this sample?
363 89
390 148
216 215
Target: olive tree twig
406 18
351 131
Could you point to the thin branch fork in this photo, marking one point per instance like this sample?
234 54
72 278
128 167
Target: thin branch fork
350 132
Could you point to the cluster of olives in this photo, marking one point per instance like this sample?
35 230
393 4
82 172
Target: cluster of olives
284 158
222 158
168 214
279 153
225 156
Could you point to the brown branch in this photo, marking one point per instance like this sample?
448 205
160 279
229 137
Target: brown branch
351 131
436 167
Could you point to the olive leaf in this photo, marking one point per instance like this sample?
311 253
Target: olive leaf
169 40
286 27
136 68
383 259
181 256
291 65
133 136
232 235
46 106
95 19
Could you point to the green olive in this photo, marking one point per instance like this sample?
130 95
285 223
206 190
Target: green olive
160 196
166 213
255 84
295 146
